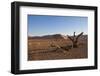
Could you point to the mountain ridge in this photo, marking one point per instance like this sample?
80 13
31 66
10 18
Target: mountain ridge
54 36
57 36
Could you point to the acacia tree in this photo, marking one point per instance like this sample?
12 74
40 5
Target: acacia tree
74 39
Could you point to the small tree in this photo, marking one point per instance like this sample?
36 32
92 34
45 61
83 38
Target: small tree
74 39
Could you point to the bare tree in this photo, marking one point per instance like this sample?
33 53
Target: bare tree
74 39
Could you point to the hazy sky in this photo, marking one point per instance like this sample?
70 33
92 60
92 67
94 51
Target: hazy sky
39 25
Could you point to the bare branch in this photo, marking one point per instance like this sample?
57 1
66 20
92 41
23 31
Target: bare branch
74 34
70 38
79 35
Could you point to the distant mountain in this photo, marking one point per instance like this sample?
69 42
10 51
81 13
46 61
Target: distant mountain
55 36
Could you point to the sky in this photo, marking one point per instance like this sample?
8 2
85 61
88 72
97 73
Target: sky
39 25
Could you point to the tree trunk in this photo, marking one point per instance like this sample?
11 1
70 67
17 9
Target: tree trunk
75 39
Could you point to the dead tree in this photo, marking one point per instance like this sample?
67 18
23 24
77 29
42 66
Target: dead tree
74 39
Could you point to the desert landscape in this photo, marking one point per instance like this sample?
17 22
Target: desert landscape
57 46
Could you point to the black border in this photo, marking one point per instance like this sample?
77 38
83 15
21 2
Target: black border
15 33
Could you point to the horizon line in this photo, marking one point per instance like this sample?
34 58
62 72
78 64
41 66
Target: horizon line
53 34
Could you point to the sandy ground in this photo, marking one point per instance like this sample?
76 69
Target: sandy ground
44 49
